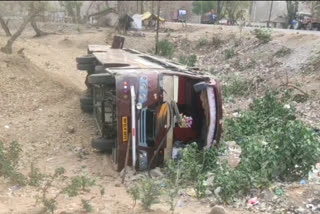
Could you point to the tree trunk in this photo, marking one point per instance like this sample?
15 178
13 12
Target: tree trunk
5 27
141 7
36 29
137 5
8 48
219 9
270 13
152 7
78 15
157 35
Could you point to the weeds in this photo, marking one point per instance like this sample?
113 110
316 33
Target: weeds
134 193
264 36
216 41
35 176
165 48
284 51
236 87
86 206
173 186
275 145
147 191
229 53
9 158
202 42
188 60
77 184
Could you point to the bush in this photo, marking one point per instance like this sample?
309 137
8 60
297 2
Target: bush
202 42
216 41
9 159
188 60
236 87
147 191
165 48
274 146
284 51
229 53
264 36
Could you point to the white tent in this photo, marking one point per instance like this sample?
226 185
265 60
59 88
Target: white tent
137 21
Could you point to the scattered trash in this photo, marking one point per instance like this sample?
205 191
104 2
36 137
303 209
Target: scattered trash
6 126
15 188
303 182
253 201
278 191
314 175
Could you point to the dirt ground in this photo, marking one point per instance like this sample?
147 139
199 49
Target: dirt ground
39 107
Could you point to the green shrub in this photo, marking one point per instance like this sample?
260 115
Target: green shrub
9 158
165 48
236 87
264 36
35 176
229 53
86 206
202 42
147 191
216 41
188 60
284 51
274 146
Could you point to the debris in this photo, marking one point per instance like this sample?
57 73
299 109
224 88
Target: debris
303 182
70 129
156 172
278 191
253 201
314 175
6 126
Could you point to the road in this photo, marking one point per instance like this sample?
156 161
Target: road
248 28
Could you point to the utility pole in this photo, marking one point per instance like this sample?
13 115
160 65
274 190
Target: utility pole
270 12
157 34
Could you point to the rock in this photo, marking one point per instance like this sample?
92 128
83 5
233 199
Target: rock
70 129
300 210
210 179
156 172
218 210
208 192
217 191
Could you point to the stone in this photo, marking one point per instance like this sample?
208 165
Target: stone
217 191
70 129
156 172
218 210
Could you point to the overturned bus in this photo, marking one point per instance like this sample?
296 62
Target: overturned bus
147 107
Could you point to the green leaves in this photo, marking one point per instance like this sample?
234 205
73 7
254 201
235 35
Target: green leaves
274 145
165 48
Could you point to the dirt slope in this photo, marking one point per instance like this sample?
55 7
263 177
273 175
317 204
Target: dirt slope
39 108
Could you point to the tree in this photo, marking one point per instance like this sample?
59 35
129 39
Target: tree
202 7
270 13
292 9
4 25
235 10
31 14
73 9
314 7
38 6
141 7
